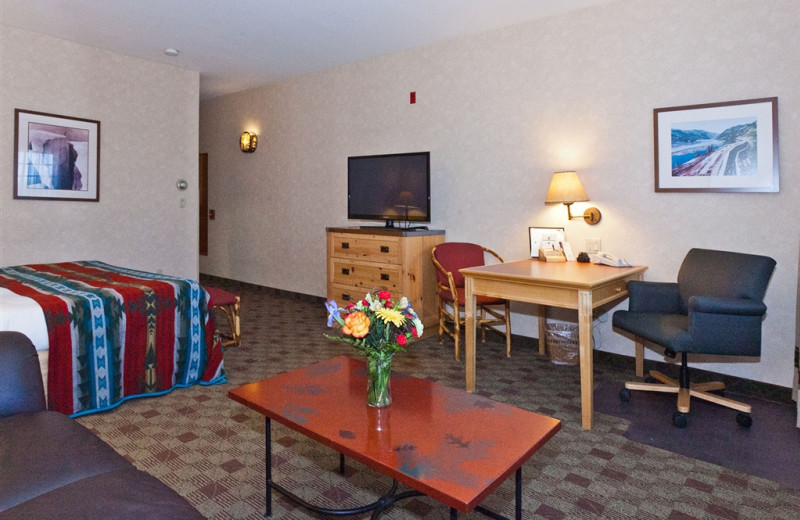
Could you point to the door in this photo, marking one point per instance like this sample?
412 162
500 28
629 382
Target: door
203 187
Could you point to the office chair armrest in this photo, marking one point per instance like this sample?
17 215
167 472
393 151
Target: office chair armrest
724 326
731 306
662 297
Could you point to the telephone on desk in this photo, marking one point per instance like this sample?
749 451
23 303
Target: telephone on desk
602 257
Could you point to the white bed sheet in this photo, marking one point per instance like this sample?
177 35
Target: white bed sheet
24 315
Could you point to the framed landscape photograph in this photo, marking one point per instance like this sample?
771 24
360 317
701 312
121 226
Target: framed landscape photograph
730 146
56 157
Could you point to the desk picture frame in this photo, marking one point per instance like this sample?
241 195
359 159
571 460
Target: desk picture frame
56 157
717 147
545 238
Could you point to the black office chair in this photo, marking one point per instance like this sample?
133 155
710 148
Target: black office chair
716 307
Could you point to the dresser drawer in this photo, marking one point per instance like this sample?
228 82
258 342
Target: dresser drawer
376 248
342 294
367 275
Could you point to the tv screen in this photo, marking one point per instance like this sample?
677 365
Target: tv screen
394 187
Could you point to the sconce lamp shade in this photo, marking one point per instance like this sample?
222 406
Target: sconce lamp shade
248 142
565 188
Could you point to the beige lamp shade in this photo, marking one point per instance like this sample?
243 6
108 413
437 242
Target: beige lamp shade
565 188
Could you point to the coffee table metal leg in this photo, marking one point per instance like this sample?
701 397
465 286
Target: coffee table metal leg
269 467
518 493
377 507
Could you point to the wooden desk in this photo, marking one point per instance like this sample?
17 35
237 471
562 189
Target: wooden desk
570 285
440 441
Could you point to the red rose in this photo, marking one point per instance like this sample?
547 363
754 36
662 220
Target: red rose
401 340
384 295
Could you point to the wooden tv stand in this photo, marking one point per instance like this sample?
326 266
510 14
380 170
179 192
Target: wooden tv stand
397 260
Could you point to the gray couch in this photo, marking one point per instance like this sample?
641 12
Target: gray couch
52 467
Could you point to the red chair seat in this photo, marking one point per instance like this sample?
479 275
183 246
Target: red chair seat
479 298
229 304
221 296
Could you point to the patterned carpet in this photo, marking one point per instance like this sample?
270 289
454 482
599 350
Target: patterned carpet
211 449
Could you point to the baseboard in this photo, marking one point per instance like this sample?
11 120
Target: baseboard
733 384
230 285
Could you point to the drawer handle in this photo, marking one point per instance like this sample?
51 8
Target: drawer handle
345 245
345 297
619 288
384 276
345 271
384 249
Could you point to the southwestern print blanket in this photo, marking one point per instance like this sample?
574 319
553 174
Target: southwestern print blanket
117 333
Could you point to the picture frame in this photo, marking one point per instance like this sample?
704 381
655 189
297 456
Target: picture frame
545 238
56 157
717 147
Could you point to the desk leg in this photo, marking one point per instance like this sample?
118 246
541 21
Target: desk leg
542 329
469 331
518 494
585 350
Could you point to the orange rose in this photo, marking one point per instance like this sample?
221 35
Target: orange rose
356 324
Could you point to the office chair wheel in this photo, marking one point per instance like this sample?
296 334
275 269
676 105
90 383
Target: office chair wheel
624 395
744 419
679 419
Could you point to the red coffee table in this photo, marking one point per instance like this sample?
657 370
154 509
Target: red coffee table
442 442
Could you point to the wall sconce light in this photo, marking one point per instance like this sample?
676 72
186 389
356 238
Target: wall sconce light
566 188
248 142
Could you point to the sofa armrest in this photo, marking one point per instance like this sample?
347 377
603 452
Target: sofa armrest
21 388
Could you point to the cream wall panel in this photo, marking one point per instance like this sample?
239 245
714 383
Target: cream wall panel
149 121
500 112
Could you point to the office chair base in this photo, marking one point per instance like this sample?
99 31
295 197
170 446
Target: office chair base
666 384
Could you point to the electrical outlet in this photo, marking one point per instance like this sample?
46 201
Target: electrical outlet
593 245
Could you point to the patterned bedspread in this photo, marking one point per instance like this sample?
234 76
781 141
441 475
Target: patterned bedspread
117 333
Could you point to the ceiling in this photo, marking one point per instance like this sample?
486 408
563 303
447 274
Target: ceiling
243 44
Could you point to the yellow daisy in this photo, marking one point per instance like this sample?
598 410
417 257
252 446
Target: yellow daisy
392 316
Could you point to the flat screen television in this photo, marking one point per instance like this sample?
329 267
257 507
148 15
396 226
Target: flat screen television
393 188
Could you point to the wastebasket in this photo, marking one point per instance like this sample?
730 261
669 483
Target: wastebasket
563 342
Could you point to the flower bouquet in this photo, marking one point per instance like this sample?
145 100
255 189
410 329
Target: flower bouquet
378 327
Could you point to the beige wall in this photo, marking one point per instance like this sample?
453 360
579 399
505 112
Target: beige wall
149 122
500 112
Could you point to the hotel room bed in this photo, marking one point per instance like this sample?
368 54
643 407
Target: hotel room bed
106 334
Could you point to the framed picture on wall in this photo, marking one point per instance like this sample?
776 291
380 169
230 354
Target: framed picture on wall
730 146
56 157
545 238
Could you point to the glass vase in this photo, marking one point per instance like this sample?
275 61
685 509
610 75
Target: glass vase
379 388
